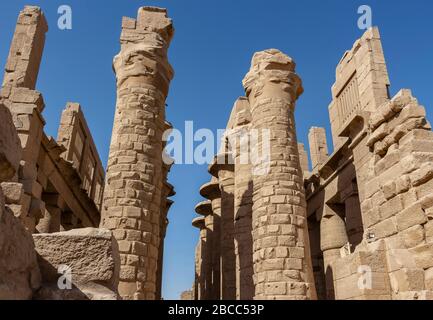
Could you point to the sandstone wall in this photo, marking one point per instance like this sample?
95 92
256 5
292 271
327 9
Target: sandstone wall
19 271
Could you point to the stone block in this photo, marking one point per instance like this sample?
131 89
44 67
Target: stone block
413 236
384 228
91 255
12 192
19 270
411 216
407 280
423 255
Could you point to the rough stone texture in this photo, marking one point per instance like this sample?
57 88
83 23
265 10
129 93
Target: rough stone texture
92 256
372 196
369 204
26 50
133 201
52 197
10 151
19 272
74 135
272 88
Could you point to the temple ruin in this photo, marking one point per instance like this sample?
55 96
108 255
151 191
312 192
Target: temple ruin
349 221
357 225
55 189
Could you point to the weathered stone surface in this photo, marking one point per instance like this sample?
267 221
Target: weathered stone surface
88 291
135 195
19 270
10 146
91 254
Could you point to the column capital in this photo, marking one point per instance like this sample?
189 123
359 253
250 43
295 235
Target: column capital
211 190
271 73
199 223
222 161
204 208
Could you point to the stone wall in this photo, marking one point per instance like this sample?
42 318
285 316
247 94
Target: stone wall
42 193
19 271
74 135
372 195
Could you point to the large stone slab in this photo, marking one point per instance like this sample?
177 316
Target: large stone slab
90 254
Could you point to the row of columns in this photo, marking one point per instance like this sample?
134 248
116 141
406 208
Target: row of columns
262 239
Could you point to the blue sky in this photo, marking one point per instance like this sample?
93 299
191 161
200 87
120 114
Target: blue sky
211 53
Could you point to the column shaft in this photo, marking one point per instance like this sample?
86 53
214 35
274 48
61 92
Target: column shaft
132 197
282 265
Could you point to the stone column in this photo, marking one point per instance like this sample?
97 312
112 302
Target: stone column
243 204
333 237
212 192
204 208
163 231
223 168
282 264
354 224
199 223
51 222
132 197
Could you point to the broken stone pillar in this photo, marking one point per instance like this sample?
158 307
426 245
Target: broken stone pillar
318 146
199 259
26 106
223 169
132 197
282 264
25 54
212 192
333 237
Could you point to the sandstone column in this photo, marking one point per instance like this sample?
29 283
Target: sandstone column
333 237
132 197
223 168
51 221
238 137
204 208
199 223
282 264
212 192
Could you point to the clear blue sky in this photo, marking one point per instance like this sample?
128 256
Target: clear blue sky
211 53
